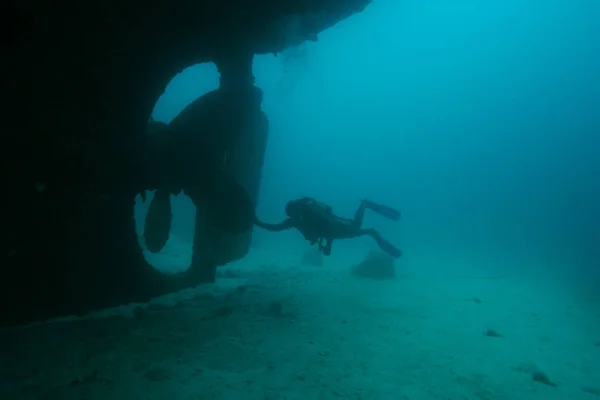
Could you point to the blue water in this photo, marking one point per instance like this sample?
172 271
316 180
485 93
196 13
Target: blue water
479 120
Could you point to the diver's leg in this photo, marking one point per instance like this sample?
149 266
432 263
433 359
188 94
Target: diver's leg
359 216
383 244
384 211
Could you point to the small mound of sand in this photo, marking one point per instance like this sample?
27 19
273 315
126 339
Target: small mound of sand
376 265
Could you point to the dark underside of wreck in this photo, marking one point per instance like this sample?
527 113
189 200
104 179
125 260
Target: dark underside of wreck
80 80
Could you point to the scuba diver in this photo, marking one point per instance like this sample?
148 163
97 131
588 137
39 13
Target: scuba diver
318 224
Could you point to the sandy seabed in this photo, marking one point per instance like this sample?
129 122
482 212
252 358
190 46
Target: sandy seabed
272 329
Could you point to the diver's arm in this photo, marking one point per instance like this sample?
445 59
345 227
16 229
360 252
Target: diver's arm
287 224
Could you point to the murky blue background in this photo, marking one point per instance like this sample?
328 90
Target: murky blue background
480 120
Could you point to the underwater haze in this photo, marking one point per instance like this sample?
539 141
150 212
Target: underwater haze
479 120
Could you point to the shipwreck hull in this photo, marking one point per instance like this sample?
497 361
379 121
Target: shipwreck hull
81 79
245 162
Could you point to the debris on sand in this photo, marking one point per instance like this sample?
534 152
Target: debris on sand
594 391
542 378
537 375
376 265
489 332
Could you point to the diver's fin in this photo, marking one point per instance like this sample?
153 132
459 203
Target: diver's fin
382 210
387 247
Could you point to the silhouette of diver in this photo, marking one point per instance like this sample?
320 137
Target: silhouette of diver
318 224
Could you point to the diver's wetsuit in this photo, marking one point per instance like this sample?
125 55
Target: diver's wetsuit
318 224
